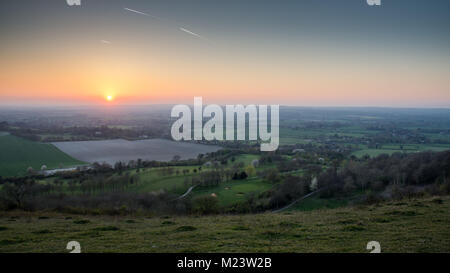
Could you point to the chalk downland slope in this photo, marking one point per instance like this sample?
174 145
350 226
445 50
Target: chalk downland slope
421 225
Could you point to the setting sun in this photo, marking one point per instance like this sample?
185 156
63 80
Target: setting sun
109 98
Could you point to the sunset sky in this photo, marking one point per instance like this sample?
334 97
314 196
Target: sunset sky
303 52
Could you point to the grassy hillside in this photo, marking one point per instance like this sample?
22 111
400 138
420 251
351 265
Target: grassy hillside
157 179
17 154
153 179
420 225
314 202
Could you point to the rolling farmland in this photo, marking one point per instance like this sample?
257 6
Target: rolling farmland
17 154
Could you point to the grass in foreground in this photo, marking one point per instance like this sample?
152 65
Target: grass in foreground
421 225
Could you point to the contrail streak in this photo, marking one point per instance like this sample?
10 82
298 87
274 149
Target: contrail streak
139 12
180 28
190 32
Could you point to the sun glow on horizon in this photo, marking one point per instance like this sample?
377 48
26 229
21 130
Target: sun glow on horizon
248 61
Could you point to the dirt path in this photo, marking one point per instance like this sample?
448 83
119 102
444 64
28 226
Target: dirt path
296 201
186 193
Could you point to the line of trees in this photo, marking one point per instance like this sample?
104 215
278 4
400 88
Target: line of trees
384 177
104 190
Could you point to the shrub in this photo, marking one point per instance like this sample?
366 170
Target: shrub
205 204
81 222
106 228
185 228
353 228
240 228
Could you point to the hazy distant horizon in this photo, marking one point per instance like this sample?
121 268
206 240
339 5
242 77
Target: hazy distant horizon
168 105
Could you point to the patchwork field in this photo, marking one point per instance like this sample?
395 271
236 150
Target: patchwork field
112 151
395 148
419 225
17 154
227 192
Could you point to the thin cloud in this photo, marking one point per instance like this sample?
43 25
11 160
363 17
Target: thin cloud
180 28
193 34
105 42
190 32
139 12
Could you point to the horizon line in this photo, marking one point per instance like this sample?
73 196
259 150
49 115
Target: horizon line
102 106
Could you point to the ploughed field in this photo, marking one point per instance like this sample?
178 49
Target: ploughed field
112 151
417 225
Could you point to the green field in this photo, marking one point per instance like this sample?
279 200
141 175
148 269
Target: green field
418 225
232 192
228 192
304 136
395 148
246 159
17 154
151 180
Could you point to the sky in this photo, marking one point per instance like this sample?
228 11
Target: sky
303 52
